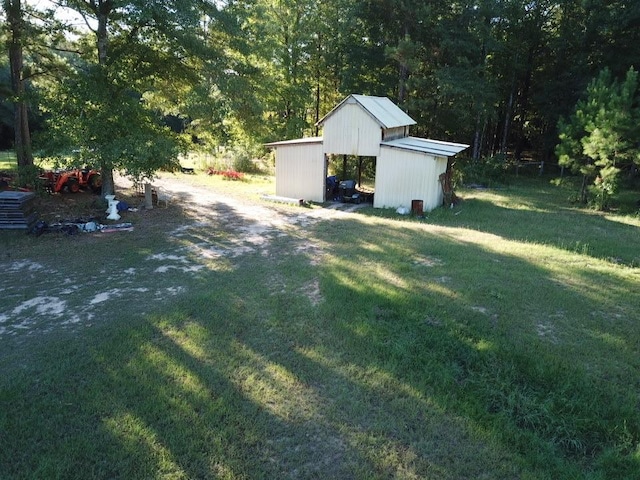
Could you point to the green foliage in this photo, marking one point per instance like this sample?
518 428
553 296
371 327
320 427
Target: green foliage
8 161
107 125
600 138
605 186
367 167
28 177
108 106
6 107
488 172
241 158
250 159
496 75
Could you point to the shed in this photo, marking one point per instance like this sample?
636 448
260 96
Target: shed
301 169
358 124
407 168
410 168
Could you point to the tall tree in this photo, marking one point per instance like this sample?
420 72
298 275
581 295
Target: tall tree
289 43
464 91
135 53
15 38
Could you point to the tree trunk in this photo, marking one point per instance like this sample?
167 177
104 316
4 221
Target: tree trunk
508 114
317 117
102 33
102 11
13 10
108 186
507 124
403 71
583 190
402 83
318 74
524 104
483 134
477 138
344 167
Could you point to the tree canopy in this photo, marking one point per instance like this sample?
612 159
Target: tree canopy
497 74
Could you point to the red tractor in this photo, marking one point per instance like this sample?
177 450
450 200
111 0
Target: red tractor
73 180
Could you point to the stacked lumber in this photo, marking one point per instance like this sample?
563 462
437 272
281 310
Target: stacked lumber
17 210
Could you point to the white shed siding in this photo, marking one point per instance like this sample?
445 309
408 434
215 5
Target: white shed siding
385 112
403 176
352 131
301 171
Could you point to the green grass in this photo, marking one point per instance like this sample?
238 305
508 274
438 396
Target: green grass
7 161
496 340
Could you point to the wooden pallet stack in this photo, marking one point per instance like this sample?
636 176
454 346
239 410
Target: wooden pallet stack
17 210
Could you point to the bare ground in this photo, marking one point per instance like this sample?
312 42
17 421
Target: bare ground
208 229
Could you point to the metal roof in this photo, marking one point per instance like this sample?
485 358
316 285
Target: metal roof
297 141
415 144
425 145
383 110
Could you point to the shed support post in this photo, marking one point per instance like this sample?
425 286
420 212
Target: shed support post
148 198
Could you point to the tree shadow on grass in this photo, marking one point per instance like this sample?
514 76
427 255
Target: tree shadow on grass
497 330
427 355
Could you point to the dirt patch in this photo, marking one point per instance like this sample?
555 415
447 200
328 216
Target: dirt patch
208 230
312 291
425 261
547 331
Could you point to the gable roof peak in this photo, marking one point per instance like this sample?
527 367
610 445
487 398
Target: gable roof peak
386 113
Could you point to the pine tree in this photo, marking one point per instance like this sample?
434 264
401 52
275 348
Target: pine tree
599 140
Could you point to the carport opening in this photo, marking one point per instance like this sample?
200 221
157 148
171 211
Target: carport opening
355 170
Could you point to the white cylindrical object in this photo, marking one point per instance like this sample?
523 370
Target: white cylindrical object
110 199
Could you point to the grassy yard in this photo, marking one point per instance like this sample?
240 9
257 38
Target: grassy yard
495 340
7 161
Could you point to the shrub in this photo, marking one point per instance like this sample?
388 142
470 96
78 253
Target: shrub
488 171
226 174
241 158
604 187
29 177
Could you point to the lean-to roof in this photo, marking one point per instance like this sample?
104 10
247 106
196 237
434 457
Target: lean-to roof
424 145
297 141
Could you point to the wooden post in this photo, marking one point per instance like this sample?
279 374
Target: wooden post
148 198
344 167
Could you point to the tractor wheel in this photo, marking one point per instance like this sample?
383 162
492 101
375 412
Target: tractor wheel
95 183
73 186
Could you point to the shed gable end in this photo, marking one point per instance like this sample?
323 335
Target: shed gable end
352 131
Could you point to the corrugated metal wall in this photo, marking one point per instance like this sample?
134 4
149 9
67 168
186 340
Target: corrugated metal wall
393 133
352 131
301 172
403 176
